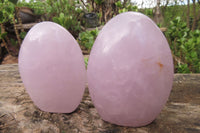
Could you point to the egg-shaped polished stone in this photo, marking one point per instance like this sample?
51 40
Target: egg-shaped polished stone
52 68
130 70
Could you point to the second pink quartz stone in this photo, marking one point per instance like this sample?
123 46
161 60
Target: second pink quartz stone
52 68
130 70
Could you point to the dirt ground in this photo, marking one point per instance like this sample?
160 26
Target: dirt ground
8 59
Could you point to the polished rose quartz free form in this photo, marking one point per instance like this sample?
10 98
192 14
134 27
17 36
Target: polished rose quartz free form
130 70
52 68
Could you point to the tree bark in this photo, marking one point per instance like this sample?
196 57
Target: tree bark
166 4
107 9
188 13
124 3
17 32
6 38
194 14
158 15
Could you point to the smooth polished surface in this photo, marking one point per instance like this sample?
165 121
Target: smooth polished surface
130 70
52 68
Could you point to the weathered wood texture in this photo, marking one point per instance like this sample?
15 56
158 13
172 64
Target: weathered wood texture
18 114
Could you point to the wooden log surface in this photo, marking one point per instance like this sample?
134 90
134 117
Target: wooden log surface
18 114
25 26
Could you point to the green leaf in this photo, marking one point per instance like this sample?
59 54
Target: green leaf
99 2
22 35
119 4
183 68
193 54
86 61
62 15
2 35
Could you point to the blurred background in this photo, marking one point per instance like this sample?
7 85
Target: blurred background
179 20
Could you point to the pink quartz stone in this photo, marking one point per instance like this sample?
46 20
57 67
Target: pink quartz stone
52 68
130 70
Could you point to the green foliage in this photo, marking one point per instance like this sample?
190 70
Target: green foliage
13 1
159 25
149 12
125 8
7 10
99 2
86 61
184 44
87 38
22 35
66 14
63 12
173 11
68 22
132 8
182 68
38 6
119 4
2 35
13 42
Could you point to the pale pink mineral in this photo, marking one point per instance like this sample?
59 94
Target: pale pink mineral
52 68
130 70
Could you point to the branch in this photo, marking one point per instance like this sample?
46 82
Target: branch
83 3
6 37
167 2
195 16
16 32
124 3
